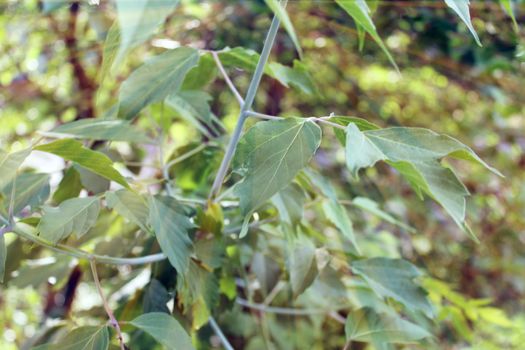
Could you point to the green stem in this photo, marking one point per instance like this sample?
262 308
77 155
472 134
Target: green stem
246 106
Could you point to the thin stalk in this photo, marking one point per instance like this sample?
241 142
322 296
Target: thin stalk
279 310
111 316
227 78
246 106
263 116
321 120
220 334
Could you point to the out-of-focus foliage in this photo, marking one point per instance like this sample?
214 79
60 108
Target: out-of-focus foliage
328 259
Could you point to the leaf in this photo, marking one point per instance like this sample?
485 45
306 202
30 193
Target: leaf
100 129
509 9
171 227
365 325
3 256
281 13
94 161
373 208
271 153
75 215
129 205
415 153
156 298
9 164
461 9
337 214
30 189
202 74
69 187
138 20
110 50
82 338
393 278
359 11
302 267
155 79
289 203
165 329
297 76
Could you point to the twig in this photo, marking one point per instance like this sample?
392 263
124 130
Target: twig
227 78
246 106
263 116
220 334
111 316
280 310
322 120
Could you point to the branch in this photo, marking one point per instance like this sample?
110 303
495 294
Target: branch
220 334
227 78
111 316
246 106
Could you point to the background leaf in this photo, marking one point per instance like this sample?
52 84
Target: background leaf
101 129
165 329
84 338
461 9
9 164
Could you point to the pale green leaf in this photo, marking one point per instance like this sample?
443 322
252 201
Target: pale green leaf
337 214
100 129
155 79
171 227
462 10
271 154
373 208
281 13
30 189
165 329
129 205
82 338
76 215
302 266
94 161
509 9
138 20
9 164
359 11
394 278
110 50
365 325
297 76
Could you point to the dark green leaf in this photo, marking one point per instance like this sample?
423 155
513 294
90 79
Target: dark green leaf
165 329
93 161
69 187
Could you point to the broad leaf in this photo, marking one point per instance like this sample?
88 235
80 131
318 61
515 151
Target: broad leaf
75 215
171 227
365 325
271 154
93 161
129 205
30 189
302 266
9 164
155 79
69 187
393 278
83 338
337 214
281 13
100 129
359 11
138 20
461 9
415 153
165 329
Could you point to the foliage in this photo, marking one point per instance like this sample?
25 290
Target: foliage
146 202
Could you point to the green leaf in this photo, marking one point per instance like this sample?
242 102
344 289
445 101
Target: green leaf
9 164
3 256
100 129
202 74
393 278
337 214
82 338
69 187
361 123
155 79
373 208
110 50
156 297
461 9
96 162
171 227
302 267
359 11
415 153
365 325
271 153
165 329
509 9
30 189
129 205
75 215
289 203
138 20
281 13
297 76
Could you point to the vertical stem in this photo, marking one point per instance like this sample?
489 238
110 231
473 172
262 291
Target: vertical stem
246 106
111 316
220 334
